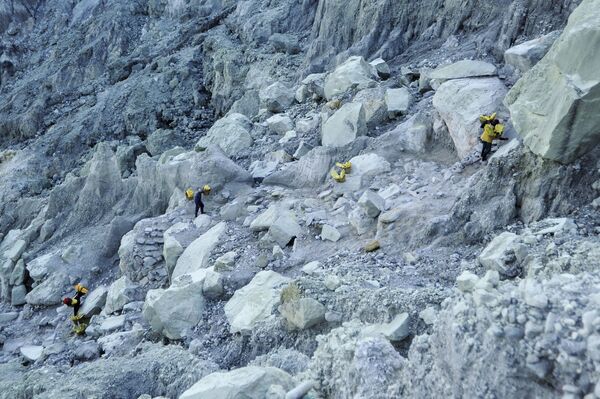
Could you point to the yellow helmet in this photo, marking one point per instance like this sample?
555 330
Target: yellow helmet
206 188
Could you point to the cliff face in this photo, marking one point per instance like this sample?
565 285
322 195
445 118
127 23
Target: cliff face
305 272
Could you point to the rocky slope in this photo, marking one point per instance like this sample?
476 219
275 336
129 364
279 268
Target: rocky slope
424 273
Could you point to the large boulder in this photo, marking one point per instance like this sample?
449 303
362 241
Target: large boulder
119 294
94 301
344 126
462 69
505 254
554 106
411 135
525 55
231 133
374 104
369 164
355 73
250 382
49 292
173 311
276 97
303 313
309 171
460 102
196 256
280 124
397 101
284 229
255 302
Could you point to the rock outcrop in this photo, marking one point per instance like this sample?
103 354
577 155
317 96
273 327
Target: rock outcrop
460 102
552 106
255 302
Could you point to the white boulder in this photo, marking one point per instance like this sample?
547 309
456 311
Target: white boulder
467 281
398 101
94 301
280 124
463 69
374 104
31 352
525 55
266 219
395 331
344 126
330 233
303 313
382 68
284 229
554 106
119 294
372 203
250 382
355 73
231 133
369 164
276 97
255 302
460 102
173 311
504 254
196 256
16 250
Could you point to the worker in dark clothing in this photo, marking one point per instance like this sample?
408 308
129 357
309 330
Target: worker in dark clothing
189 194
75 302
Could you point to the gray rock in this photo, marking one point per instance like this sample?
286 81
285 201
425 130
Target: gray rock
120 293
397 101
330 233
49 292
344 126
180 307
382 68
94 302
195 256
354 73
249 382
18 295
231 133
369 164
8 317
280 124
302 150
18 274
255 302
372 203
525 55
463 69
504 254
550 88
284 229
303 313
213 285
32 353
14 253
112 323
466 281
460 102
374 104
87 351
276 97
